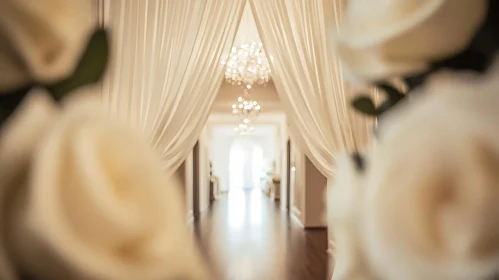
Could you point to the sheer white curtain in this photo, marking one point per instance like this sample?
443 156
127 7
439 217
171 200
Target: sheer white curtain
165 68
308 78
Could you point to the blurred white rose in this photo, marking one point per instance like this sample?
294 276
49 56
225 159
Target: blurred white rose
19 137
432 193
386 38
42 40
344 211
94 203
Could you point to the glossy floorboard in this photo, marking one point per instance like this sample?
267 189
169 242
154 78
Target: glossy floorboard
248 237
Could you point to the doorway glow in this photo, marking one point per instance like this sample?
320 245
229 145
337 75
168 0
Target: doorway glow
245 164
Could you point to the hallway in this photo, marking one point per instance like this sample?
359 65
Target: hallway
248 237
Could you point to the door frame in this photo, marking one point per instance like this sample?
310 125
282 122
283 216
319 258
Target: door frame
288 175
195 181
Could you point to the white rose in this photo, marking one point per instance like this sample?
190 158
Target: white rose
42 39
431 205
344 211
384 38
95 205
18 140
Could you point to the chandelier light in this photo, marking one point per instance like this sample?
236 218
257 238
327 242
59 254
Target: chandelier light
247 65
245 107
244 128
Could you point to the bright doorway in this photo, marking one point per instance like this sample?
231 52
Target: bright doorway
246 163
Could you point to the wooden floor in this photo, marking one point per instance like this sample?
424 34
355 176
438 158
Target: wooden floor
248 237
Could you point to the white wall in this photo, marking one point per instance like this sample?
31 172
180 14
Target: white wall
219 145
188 180
204 173
265 95
308 192
297 186
315 196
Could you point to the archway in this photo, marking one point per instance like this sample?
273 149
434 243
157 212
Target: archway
245 164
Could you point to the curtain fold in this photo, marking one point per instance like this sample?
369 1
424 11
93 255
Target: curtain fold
308 78
165 69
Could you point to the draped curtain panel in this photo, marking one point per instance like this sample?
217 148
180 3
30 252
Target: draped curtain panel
165 69
308 78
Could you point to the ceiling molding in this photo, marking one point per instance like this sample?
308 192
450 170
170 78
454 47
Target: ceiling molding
262 118
225 107
259 92
260 129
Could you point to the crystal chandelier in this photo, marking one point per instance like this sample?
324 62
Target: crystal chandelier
247 65
244 128
245 107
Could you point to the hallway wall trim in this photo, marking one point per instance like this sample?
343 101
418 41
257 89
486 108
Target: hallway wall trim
296 211
295 216
190 217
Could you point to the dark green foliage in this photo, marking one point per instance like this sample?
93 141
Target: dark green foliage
10 101
365 104
89 70
478 56
359 161
393 94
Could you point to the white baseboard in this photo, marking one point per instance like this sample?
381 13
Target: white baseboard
295 216
297 220
295 211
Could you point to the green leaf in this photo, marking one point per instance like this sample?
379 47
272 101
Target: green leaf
10 101
385 106
391 92
90 68
365 105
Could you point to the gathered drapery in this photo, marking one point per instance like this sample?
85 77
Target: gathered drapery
165 67
308 77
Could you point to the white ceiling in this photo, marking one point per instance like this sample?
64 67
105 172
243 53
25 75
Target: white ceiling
266 96
247 31
260 130
265 118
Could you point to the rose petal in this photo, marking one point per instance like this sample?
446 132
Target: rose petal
389 38
102 208
345 201
369 23
18 140
12 69
49 35
431 208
